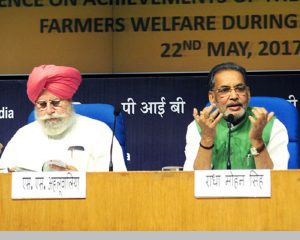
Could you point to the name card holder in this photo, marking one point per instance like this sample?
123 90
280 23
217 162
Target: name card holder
232 183
48 185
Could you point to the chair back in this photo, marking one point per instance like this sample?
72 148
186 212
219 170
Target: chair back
102 112
287 113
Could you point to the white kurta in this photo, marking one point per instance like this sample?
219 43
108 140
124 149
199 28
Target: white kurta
31 148
277 146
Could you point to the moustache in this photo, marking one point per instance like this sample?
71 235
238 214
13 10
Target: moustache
234 105
48 117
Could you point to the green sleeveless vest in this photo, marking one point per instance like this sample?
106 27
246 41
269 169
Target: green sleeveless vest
240 144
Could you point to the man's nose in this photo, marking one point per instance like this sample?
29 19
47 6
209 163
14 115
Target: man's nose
50 109
233 94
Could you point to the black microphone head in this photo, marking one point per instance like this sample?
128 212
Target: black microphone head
230 118
117 110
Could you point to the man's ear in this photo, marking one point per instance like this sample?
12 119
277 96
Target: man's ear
211 97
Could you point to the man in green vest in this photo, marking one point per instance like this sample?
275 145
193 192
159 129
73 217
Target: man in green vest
229 134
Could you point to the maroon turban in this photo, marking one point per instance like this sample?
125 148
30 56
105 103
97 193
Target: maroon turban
61 81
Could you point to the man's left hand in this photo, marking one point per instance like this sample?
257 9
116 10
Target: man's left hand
259 121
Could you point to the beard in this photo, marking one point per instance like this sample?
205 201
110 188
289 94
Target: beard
236 117
55 125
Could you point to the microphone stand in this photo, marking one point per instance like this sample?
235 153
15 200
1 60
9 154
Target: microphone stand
229 124
117 111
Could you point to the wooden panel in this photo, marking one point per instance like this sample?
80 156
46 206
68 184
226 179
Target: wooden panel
154 201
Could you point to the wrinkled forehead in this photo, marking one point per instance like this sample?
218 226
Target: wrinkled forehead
228 78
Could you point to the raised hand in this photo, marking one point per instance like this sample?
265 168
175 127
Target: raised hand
259 121
207 120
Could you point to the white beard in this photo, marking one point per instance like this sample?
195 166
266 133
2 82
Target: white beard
56 128
236 117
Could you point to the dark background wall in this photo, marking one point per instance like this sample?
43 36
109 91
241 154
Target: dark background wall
153 140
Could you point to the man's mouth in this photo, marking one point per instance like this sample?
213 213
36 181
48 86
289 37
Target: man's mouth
52 119
234 107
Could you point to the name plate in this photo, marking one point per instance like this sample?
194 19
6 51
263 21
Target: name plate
232 183
47 185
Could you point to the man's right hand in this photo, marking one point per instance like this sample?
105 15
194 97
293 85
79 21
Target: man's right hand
55 167
207 120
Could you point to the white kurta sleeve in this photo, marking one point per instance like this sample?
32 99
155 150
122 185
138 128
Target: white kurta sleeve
277 146
12 152
193 139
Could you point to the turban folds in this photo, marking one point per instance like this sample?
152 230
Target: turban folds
61 81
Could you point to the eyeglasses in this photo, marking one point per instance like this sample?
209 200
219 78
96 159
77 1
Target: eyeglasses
225 91
42 105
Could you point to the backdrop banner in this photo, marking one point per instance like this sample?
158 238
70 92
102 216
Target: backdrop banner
142 36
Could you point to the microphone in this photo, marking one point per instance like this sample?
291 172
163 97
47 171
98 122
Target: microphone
230 120
117 111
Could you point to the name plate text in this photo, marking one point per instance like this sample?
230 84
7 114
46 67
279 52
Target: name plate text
232 183
47 185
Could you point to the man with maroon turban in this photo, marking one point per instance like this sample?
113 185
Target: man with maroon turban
60 139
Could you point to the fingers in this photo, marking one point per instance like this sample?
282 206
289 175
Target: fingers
259 111
259 121
217 119
252 119
214 114
71 168
205 113
261 114
270 115
55 167
208 116
195 112
207 110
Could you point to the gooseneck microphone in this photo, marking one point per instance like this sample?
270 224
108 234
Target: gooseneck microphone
230 120
117 111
